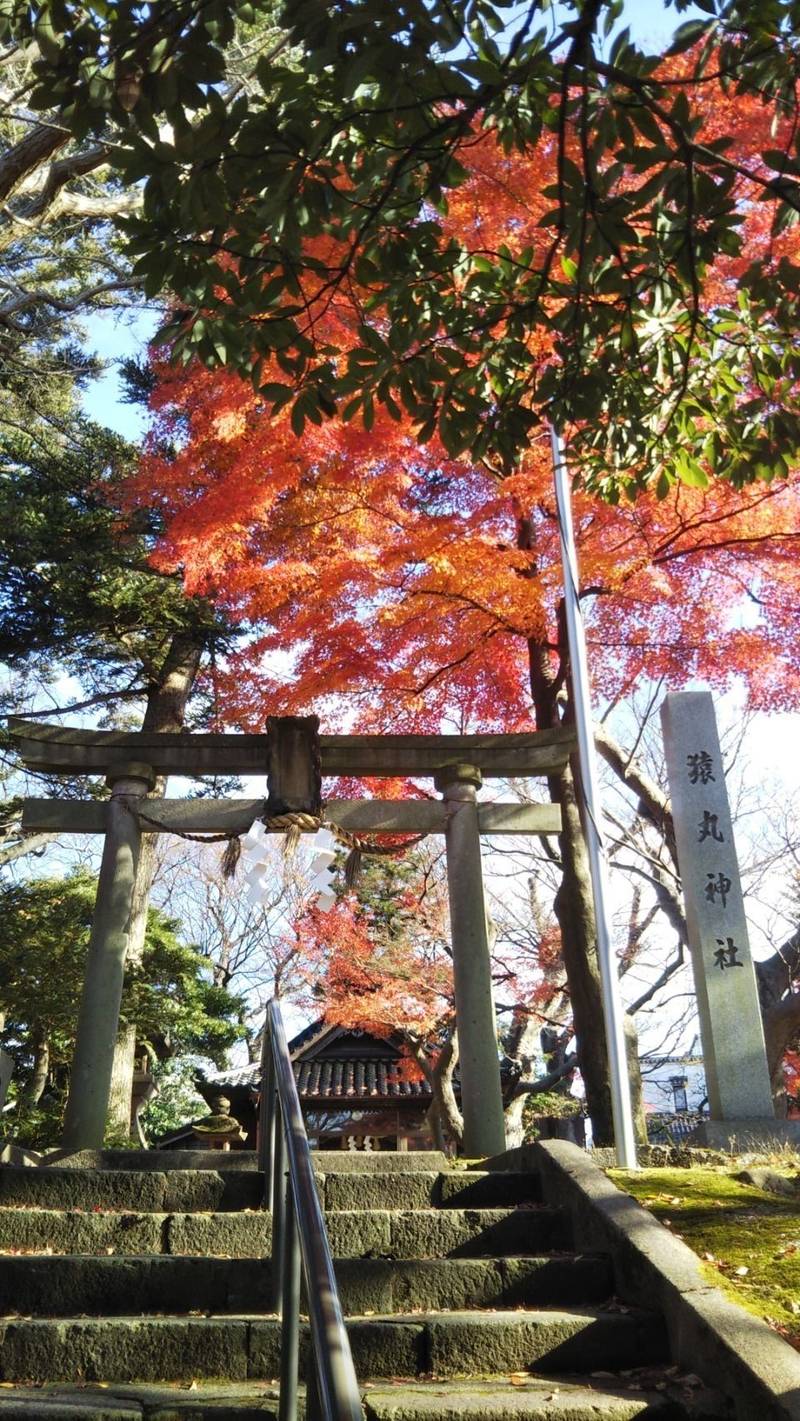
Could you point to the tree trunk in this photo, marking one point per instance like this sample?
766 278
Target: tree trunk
434 1122
36 1083
166 709
522 1047
444 1094
635 1079
548 667
444 1115
574 908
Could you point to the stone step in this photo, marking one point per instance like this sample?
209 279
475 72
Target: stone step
445 1233
381 1162
420 1233
145 1192
645 1395
449 1189
181 1191
237 1348
65 1286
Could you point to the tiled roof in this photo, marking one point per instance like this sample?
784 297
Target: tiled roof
334 1080
352 1077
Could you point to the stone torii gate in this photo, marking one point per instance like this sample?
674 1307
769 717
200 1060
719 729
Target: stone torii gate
294 757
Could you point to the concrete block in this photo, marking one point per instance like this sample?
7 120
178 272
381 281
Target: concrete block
478 1233
365 1285
726 1346
566 1281
473 1189
439 1233
74 1286
526 1400
752 1363
379 1161
232 1235
353 1234
416 1189
76 1232
264 1348
383 1348
160 1161
209 1190
465 1344
124 1349
69 1405
83 1189
439 1284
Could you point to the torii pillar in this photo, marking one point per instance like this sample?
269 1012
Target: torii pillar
98 1018
479 1065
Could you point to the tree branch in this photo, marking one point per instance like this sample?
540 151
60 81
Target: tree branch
653 803
27 155
570 1063
30 844
27 299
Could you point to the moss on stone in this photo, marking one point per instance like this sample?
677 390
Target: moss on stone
731 1226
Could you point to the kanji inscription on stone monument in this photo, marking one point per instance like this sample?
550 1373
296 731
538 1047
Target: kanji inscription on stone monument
735 1058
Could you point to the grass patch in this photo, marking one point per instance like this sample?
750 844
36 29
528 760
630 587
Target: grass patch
748 1241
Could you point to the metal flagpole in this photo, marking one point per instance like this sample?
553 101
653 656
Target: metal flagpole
613 1011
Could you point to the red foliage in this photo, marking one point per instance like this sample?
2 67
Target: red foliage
791 1076
372 567
384 585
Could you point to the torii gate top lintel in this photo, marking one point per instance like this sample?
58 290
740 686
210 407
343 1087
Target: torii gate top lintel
294 764
58 749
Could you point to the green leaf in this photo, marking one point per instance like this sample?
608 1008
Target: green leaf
298 419
689 34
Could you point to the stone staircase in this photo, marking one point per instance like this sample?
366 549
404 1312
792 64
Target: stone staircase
135 1285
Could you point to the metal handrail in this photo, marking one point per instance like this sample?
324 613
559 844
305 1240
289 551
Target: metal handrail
299 1235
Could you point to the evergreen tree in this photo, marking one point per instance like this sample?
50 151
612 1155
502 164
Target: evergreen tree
169 1002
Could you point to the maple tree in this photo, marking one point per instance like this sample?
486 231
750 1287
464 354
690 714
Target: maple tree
380 961
424 585
425 592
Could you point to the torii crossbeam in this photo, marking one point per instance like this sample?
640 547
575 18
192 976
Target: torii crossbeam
295 758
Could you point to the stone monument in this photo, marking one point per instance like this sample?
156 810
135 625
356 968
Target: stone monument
737 1075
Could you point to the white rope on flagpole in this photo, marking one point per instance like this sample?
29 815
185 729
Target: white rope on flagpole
613 1010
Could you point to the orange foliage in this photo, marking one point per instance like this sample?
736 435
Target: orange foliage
374 982
387 573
